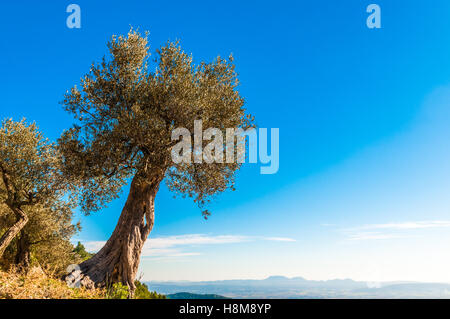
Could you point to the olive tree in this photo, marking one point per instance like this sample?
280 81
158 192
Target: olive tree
125 109
30 176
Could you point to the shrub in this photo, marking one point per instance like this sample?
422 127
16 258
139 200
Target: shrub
120 291
117 291
142 292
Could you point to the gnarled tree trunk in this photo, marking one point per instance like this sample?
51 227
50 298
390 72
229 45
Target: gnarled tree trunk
11 233
118 260
22 258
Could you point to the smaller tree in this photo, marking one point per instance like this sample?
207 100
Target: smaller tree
47 235
30 177
81 252
44 239
55 255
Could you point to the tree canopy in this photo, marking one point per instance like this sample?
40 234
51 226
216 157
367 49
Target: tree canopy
29 166
126 108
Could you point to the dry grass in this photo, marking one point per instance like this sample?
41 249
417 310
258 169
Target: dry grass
36 284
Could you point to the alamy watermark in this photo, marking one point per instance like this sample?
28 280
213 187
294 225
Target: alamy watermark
73 21
73 276
232 149
374 19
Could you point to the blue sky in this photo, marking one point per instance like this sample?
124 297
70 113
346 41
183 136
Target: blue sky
362 190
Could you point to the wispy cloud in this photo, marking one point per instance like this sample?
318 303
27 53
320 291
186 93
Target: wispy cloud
279 239
93 246
408 225
390 230
372 236
174 246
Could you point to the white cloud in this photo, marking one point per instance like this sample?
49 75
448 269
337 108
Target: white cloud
372 236
93 246
172 246
408 225
279 239
390 230
193 239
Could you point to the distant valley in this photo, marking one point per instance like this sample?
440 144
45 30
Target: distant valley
298 287
188 295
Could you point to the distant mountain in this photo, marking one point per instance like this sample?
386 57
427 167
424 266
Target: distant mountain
188 295
298 287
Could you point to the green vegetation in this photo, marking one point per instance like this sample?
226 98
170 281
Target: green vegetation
81 252
121 291
142 292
